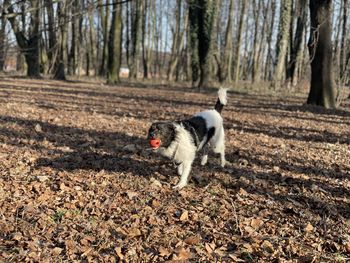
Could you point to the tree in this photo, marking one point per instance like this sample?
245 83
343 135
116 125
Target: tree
320 50
282 43
115 45
296 47
136 27
2 41
202 16
239 40
59 72
27 38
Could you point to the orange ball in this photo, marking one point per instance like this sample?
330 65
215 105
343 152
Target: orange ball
155 143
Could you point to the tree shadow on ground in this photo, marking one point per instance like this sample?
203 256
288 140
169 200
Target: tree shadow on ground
289 132
71 148
313 191
290 107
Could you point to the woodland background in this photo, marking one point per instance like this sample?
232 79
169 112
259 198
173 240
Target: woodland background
266 43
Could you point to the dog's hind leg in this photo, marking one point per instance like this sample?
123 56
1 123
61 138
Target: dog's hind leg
205 155
219 147
185 175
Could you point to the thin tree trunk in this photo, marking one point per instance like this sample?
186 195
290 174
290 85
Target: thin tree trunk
206 20
297 48
143 39
115 45
135 37
282 43
241 29
92 39
104 15
62 57
3 39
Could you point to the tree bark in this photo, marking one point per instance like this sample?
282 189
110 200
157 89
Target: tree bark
3 39
282 44
206 19
104 15
241 27
320 49
135 37
29 45
115 45
59 73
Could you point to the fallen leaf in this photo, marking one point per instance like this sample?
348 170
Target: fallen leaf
256 223
192 240
118 250
184 216
163 252
155 183
267 246
57 250
131 194
208 248
242 192
182 254
347 247
309 228
134 232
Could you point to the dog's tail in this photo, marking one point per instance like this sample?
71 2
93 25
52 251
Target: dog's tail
222 100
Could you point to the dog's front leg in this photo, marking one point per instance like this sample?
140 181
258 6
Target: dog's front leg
186 169
180 169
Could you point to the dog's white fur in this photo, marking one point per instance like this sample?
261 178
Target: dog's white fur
182 150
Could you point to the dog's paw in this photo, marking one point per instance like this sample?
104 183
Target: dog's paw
179 186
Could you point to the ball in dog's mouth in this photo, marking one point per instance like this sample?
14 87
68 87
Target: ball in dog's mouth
154 143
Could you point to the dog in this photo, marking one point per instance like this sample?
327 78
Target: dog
181 140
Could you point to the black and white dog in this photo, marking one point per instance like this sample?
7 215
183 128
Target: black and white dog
181 140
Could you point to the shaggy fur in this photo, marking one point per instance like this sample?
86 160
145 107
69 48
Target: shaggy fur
181 140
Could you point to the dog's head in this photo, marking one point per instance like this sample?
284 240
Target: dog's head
161 134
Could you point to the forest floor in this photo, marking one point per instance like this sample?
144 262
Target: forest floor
78 181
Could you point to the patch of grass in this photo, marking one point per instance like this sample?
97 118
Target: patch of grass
58 215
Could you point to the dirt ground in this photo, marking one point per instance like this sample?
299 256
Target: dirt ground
78 181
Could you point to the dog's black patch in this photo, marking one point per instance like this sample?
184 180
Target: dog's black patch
210 135
197 127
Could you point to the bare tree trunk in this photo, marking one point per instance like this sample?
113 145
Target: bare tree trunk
62 57
73 53
143 39
135 37
282 43
320 49
104 15
297 48
257 40
92 39
115 45
29 45
178 42
3 39
241 27
343 62
194 10
269 58
226 56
